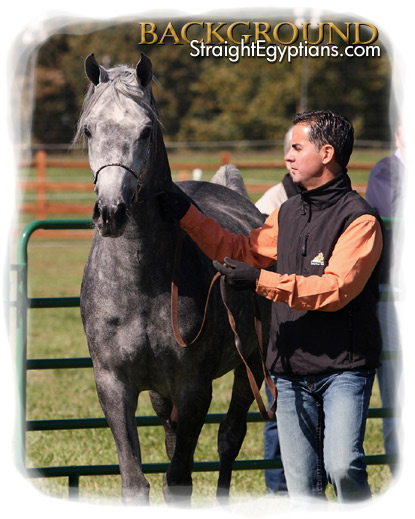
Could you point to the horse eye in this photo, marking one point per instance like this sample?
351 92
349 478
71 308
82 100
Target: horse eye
145 134
87 133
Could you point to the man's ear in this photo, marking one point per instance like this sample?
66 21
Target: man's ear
327 152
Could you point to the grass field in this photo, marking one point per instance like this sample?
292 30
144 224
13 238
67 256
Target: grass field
55 269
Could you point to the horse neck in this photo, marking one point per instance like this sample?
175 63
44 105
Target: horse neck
147 232
158 175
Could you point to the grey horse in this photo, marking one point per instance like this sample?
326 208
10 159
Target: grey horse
126 290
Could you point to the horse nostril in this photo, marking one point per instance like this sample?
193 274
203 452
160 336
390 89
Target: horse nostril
101 214
121 209
96 213
120 215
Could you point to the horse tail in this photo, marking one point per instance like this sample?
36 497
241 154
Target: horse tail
230 177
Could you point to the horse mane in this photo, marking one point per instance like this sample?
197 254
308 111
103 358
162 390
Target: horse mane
122 83
229 176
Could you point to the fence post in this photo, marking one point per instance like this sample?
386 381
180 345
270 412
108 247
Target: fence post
225 157
40 185
21 347
183 175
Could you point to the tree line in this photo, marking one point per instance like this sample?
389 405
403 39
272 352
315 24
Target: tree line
208 98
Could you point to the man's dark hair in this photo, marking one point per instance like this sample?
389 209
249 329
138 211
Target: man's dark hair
327 127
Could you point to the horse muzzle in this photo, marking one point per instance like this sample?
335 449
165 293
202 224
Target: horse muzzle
110 219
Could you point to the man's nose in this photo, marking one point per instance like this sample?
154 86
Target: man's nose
288 157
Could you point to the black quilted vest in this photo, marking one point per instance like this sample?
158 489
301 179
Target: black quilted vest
316 342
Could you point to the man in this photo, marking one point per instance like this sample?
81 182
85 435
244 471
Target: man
325 339
384 193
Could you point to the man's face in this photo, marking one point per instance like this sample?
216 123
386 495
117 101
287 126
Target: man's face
306 163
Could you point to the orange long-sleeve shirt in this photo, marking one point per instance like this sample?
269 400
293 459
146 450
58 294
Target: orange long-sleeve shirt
353 260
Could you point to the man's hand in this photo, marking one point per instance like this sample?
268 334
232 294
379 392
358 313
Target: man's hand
173 206
239 275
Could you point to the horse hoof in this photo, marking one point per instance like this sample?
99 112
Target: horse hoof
131 498
177 495
222 496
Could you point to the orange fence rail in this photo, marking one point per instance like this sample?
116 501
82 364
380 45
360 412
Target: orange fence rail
41 208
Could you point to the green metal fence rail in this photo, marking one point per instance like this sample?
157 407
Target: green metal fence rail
73 473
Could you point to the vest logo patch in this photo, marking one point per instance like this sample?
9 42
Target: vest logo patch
318 260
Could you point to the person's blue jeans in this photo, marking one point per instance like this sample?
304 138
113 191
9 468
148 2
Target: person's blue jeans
321 427
389 374
274 478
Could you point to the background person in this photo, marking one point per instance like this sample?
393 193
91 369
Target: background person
271 200
383 192
276 195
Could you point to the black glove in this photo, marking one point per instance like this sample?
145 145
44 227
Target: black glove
173 206
240 276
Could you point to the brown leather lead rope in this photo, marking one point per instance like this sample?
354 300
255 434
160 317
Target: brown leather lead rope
267 377
267 415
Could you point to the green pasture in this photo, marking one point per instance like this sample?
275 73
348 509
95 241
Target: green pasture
55 269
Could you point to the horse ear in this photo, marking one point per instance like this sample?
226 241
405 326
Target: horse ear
144 70
94 71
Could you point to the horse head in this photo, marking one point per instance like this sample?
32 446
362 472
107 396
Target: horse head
119 120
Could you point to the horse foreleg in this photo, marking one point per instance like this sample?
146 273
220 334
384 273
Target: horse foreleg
193 406
232 429
119 402
163 408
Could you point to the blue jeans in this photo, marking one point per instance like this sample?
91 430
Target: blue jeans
321 427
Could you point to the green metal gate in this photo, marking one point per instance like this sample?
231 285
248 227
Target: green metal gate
73 473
